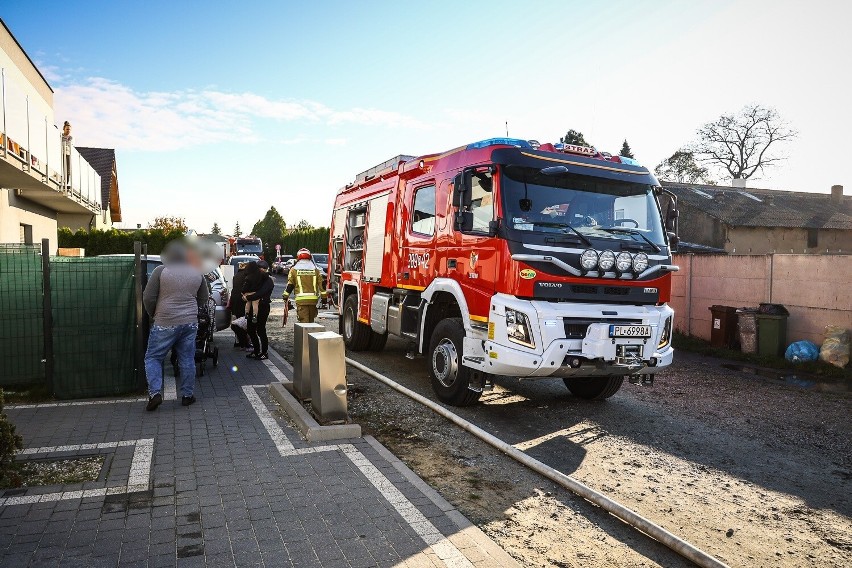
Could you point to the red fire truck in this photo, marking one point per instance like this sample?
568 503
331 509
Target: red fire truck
509 257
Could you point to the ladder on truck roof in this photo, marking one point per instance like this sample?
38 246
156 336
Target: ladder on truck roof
391 164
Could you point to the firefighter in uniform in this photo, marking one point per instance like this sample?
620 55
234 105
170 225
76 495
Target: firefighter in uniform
306 279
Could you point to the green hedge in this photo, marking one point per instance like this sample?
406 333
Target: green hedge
112 241
315 240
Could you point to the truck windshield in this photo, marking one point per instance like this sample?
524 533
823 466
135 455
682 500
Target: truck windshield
249 247
594 207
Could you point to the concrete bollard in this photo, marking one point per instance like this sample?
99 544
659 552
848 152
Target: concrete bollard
328 375
301 360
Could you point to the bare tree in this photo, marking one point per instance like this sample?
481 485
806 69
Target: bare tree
744 143
681 167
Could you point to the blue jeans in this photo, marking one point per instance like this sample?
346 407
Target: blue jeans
160 341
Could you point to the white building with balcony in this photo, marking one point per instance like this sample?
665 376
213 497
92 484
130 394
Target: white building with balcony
41 188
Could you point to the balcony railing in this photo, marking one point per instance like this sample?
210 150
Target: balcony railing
28 135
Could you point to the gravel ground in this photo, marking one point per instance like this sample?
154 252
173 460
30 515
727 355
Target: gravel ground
56 472
751 471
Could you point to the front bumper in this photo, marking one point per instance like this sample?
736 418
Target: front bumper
556 355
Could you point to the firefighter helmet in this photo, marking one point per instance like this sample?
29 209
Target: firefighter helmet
303 254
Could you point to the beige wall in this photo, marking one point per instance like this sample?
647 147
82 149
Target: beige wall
15 211
20 69
760 240
813 288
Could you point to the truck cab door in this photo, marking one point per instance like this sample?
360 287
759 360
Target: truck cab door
418 253
476 259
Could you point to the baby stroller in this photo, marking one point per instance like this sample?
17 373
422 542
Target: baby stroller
204 347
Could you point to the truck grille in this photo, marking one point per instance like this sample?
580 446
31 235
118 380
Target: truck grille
575 328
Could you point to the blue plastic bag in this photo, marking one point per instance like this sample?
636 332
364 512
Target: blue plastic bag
802 351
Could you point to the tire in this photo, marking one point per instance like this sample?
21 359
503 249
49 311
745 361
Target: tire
594 388
356 335
450 379
377 341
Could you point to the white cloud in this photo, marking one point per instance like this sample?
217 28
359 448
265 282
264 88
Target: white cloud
107 113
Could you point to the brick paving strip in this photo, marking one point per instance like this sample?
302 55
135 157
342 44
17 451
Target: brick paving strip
224 483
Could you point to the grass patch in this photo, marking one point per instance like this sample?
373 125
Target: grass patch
53 472
23 394
818 368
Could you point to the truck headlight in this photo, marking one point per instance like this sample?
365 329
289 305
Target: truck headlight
623 262
589 259
607 260
640 262
666 336
518 328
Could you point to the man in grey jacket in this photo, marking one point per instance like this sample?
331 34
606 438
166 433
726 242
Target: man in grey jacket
171 298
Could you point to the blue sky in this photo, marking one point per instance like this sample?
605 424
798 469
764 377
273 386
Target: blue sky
219 110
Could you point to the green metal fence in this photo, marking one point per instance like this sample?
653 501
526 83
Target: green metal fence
94 326
21 309
80 338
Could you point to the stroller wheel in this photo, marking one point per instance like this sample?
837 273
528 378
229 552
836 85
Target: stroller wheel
215 356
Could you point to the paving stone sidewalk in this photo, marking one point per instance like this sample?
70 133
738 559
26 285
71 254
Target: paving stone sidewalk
224 482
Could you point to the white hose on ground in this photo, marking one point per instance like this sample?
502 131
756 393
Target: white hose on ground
630 517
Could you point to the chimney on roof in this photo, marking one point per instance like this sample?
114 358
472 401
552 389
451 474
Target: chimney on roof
837 194
738 182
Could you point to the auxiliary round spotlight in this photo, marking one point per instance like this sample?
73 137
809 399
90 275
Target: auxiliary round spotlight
589 259
606 260
640 262
623 262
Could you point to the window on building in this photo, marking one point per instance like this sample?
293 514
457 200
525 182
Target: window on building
26 234
482 201
423 212
813 238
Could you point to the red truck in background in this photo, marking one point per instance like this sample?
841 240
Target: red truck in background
250 245
509 257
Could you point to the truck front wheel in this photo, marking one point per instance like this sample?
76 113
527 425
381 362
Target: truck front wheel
450 379
593 388
356 335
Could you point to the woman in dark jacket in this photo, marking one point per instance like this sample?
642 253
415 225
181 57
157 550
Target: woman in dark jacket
238 307
258 274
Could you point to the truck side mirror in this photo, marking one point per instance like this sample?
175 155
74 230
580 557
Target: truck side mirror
461 189
493 228
672 216
673 241
464 221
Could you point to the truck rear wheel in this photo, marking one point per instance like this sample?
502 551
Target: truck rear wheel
377 341
356 335
450 379
594 388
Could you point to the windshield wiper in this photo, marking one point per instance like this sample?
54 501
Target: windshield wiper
564 226
631 231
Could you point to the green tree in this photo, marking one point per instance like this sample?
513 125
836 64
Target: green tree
626 151
574 137
315 240
271 230
237 231
169 223
681 167
216 230
303 225
112 241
